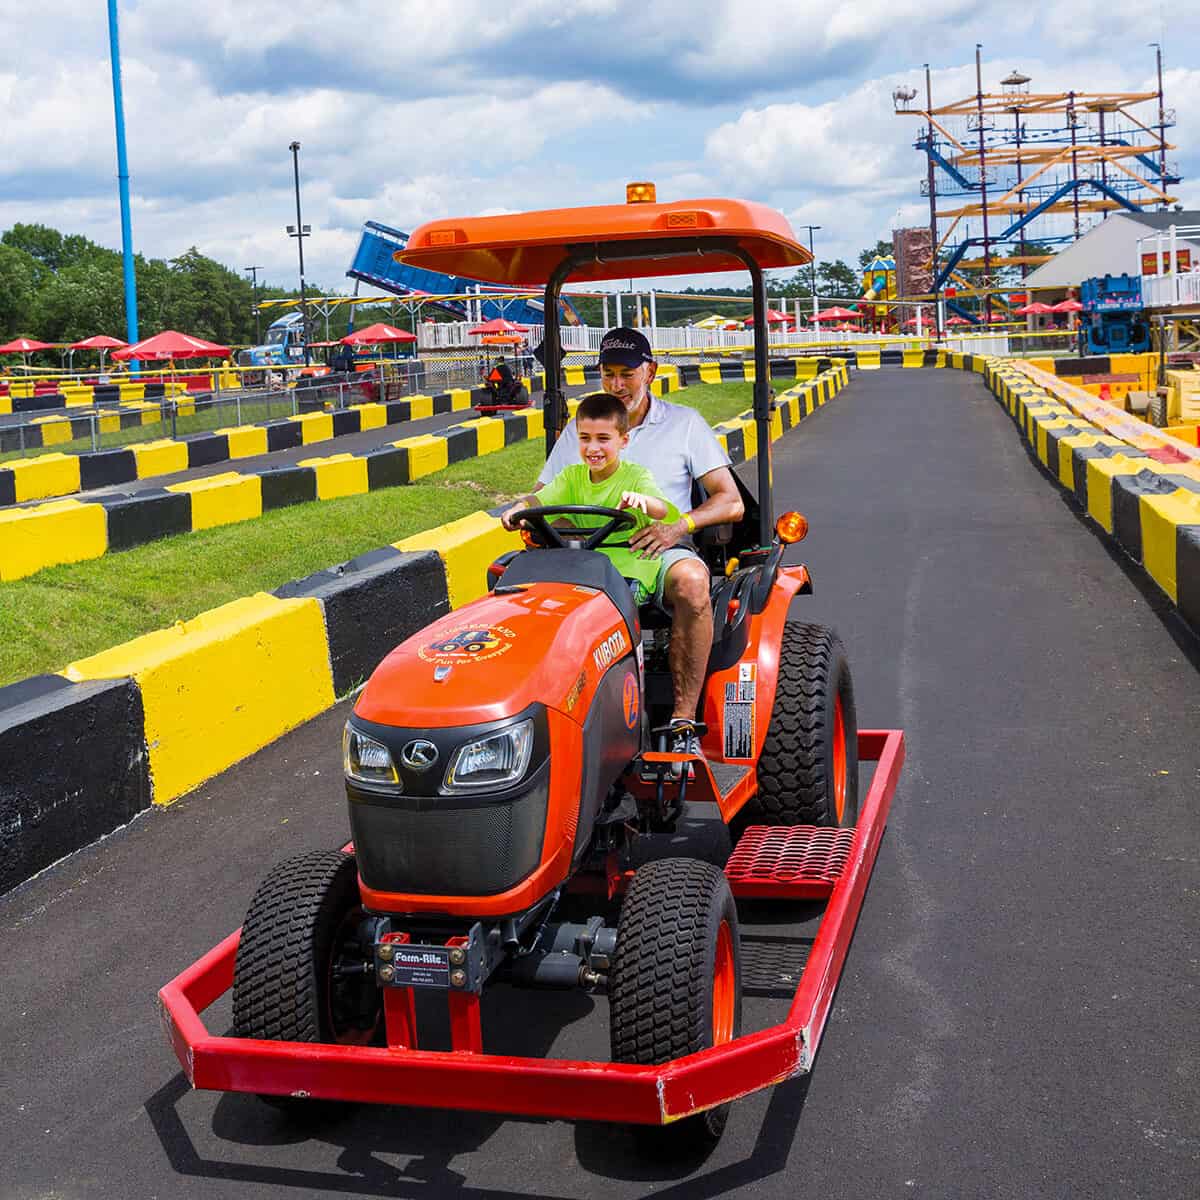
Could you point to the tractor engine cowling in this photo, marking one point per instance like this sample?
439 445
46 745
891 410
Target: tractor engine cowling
482 748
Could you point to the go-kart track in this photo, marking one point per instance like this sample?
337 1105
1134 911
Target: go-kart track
1017 1014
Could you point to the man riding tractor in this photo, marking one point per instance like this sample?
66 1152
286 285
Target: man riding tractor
677 445
505 387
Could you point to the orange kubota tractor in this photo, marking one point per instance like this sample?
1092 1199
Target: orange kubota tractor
508 757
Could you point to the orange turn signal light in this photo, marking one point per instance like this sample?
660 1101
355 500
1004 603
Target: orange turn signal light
640 193
792 527
527 538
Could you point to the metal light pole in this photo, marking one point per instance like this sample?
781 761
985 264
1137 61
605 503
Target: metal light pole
131 320
813 263
300 231
254 285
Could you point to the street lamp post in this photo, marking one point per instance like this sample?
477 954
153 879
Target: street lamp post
813 264
254 286
300 231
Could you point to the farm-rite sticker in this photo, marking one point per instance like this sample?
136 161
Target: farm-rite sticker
469 643
739 713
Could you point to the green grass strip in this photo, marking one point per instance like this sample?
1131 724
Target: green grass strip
68 612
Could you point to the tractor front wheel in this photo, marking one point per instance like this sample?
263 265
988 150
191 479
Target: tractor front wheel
808 771
675 986
298 975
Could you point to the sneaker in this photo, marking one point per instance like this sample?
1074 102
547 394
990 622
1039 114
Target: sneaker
684 740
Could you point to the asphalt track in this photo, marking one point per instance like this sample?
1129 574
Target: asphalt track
1017 1017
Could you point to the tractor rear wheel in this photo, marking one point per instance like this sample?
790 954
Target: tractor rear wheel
298 976
808 772
675 986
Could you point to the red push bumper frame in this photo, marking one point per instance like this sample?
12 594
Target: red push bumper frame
468 1079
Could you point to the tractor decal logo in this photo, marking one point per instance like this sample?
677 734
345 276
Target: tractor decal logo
609 650
468 643
576 691
629 700
419 755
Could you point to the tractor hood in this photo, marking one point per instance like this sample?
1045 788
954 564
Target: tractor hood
545 643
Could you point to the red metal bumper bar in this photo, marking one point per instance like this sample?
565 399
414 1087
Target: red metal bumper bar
553 1087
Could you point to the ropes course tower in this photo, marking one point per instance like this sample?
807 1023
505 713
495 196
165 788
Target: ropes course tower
1013 176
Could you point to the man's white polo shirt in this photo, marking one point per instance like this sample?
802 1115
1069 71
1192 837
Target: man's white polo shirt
674 443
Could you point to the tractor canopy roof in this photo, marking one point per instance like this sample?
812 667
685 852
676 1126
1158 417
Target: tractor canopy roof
683 237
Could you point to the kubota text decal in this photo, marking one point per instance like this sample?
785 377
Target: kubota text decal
468 643
610 650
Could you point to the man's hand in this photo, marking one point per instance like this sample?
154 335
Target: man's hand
654 539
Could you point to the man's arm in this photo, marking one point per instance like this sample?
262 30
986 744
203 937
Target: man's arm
724 505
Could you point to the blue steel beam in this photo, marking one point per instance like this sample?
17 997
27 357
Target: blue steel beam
131 316
947 166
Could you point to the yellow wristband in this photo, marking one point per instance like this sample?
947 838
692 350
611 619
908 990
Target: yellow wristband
690 522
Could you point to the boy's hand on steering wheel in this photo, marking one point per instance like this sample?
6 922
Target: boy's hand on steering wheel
509 518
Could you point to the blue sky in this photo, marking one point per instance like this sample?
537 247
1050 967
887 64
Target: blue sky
408 111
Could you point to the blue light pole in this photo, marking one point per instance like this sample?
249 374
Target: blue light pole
131 321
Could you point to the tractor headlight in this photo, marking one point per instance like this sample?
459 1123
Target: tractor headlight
495 761
366 760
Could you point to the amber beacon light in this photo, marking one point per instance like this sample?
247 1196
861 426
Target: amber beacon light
640 193
792 527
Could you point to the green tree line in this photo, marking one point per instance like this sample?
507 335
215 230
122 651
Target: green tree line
63 287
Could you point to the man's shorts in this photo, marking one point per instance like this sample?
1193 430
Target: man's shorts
668 558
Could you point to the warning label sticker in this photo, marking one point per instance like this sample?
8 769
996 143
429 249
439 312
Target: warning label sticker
739 725
745 684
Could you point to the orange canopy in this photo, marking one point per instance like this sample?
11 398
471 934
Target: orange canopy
525 248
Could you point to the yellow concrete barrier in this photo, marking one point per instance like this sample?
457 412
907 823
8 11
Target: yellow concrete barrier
46 475
55 430
426 454
63 531
222 499
245 441
371 416
160 458
710 373
420 407
466 546
221 686
1160 516
338 475
489 434
314 427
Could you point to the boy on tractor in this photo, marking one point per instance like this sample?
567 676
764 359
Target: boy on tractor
681 450
603 479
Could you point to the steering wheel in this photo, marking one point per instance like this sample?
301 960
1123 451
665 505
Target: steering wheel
618 519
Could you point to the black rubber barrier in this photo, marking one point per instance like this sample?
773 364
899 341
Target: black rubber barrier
146 516
284 434
42 403
13 438
106 467
1126 510
73 767
346 420
282 486
371 604
1187 573
8 487
205 449
387 466
461 443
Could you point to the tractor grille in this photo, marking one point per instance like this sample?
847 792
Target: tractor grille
438 847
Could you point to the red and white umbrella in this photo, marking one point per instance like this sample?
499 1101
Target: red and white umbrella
24 345
171 344
98 341
1067 306
774 317
957 320
836 313
1036 308
498 325
376 335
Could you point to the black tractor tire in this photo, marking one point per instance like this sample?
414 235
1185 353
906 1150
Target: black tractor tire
284 988
803 778
675 986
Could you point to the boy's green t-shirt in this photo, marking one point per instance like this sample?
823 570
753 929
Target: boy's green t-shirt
573 485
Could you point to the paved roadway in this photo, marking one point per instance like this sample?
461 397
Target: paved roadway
1017 1017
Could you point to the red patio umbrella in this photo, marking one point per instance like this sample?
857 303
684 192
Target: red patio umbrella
171 344
378 334
957 320
1067 306
1037 307
99 341
774 317
499 325
24 345
836 313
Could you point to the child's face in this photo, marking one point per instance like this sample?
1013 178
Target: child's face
600 443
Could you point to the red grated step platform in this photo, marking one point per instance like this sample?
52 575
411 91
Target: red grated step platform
798 862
